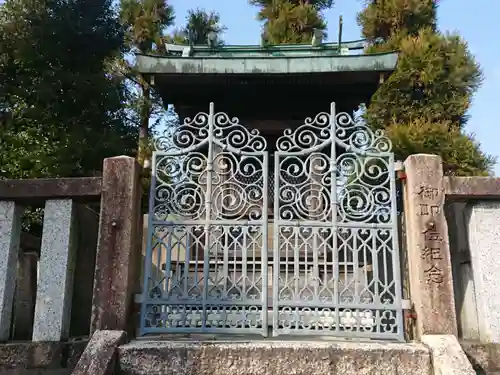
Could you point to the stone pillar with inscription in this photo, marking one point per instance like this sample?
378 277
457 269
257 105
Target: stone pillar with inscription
430 272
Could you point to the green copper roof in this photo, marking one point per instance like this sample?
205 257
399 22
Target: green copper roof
265 65
253 59
283 50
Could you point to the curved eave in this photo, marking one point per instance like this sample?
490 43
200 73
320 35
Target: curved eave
147 64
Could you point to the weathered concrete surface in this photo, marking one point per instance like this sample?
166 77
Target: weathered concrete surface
463 188
273 358
118 250
60 371
485 358
484 244
55 272
429 261
40 355
99 357
10 232
463 283
448 358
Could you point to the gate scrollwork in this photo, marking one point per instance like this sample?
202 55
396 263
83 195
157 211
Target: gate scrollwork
311 243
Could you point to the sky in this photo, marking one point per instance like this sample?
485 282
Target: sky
476 24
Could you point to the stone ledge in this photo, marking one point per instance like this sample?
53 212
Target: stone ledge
485 358
463 188
99 357
40 355
273 358
447 355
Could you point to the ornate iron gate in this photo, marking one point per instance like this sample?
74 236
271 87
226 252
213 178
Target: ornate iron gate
327 220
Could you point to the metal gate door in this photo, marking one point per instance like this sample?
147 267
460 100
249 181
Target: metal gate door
332 234
206 260
335 231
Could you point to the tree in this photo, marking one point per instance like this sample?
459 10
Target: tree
291 21
200 23
61 110
429 94
382 20
65 110
145 23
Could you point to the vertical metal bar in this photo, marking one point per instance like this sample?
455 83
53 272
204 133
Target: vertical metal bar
149 255
375 263
168 271
184 271
265 222
276 250
334 203
315 248
395 249
208 217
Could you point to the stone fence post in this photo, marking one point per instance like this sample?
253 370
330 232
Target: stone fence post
429 264
118 249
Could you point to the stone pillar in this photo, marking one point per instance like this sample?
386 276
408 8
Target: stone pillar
431 282
10 233
55 272
118 249
484 243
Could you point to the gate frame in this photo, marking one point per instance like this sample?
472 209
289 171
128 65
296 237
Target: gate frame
212 141
380 149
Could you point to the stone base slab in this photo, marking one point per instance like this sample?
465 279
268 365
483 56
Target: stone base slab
272 358
485 358
38 356
448 358
99 357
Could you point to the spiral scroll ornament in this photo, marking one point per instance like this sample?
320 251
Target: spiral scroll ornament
348 132
355 134
195 131
319 207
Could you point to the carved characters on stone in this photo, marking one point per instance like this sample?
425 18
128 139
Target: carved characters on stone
429 207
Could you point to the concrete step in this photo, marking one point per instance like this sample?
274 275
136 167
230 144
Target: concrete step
272 358
36 372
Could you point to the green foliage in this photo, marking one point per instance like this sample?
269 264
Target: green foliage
435 79
145 22
66 112
461 152
382 19
288 21
318 4
61 109
199 24
424 103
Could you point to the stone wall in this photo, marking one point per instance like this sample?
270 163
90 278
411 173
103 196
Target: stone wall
473 211
79 275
